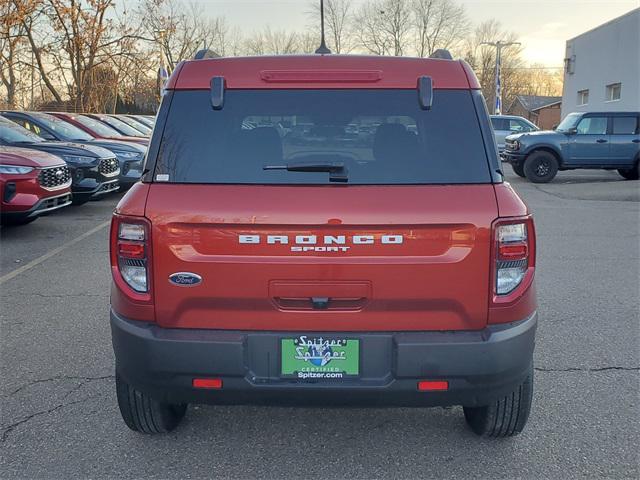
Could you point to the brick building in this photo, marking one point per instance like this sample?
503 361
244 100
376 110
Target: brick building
541 110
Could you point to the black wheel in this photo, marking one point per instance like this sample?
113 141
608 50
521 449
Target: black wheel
507 416
630 173
518 170
143 414
540 167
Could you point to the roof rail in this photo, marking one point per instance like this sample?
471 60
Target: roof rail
442 53
205 53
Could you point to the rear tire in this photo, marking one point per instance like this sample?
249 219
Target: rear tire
540 167
143 414
507 416
518 170
630 173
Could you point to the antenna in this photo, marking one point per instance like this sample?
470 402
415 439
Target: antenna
322 49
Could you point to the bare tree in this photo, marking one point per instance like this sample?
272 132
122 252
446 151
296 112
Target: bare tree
269 41
80 31
540 80
308 42
99 56
367 27
67 41
222 38
337 21
128 58
177 31
33 17
383 26
438 24
11 35
398 23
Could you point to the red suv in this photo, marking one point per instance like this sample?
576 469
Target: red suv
96 128
32 183
309 231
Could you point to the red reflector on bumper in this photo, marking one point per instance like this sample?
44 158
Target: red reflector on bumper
207 383
433 385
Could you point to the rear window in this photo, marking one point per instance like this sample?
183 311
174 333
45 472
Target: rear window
499 123
97 126
120 126
625 125
64 130
379 136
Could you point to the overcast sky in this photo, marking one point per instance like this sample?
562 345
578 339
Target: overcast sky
543 25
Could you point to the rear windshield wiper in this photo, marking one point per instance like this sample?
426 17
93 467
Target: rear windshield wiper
337 171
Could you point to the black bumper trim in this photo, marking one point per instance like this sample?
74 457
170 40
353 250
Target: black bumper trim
44 205
480 365
513 157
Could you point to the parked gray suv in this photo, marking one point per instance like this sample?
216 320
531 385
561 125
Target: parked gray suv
505 125
602 140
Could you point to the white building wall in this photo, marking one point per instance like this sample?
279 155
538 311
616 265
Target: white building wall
605 55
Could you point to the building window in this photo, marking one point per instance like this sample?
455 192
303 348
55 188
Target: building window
583 97
613 92
569 64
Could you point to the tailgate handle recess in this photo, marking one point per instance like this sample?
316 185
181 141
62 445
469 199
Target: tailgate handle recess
320 303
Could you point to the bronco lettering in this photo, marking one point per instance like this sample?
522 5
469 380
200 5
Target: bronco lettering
326 239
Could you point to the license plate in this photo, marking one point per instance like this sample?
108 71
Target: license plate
319 358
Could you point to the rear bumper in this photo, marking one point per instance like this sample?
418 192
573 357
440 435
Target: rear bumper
480 366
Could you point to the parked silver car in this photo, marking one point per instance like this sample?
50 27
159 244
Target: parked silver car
504 125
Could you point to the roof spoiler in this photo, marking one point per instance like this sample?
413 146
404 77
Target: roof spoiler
205 53
442 54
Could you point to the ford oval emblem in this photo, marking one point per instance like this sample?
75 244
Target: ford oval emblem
185 279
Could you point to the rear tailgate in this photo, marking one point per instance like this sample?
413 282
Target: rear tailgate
322 258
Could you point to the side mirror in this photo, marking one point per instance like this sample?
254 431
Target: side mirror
572 131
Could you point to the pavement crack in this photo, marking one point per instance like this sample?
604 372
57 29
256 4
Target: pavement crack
6 430
551 194
9 428
576 369
83 380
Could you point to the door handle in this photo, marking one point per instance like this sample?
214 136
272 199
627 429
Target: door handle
636 140
601 140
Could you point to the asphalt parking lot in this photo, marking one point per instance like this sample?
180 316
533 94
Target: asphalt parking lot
59 416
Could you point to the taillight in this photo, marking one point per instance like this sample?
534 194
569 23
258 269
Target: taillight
514 254
130 251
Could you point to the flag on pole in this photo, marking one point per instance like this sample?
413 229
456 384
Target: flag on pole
163 76
498 105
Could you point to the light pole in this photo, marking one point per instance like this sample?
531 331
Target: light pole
497 108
